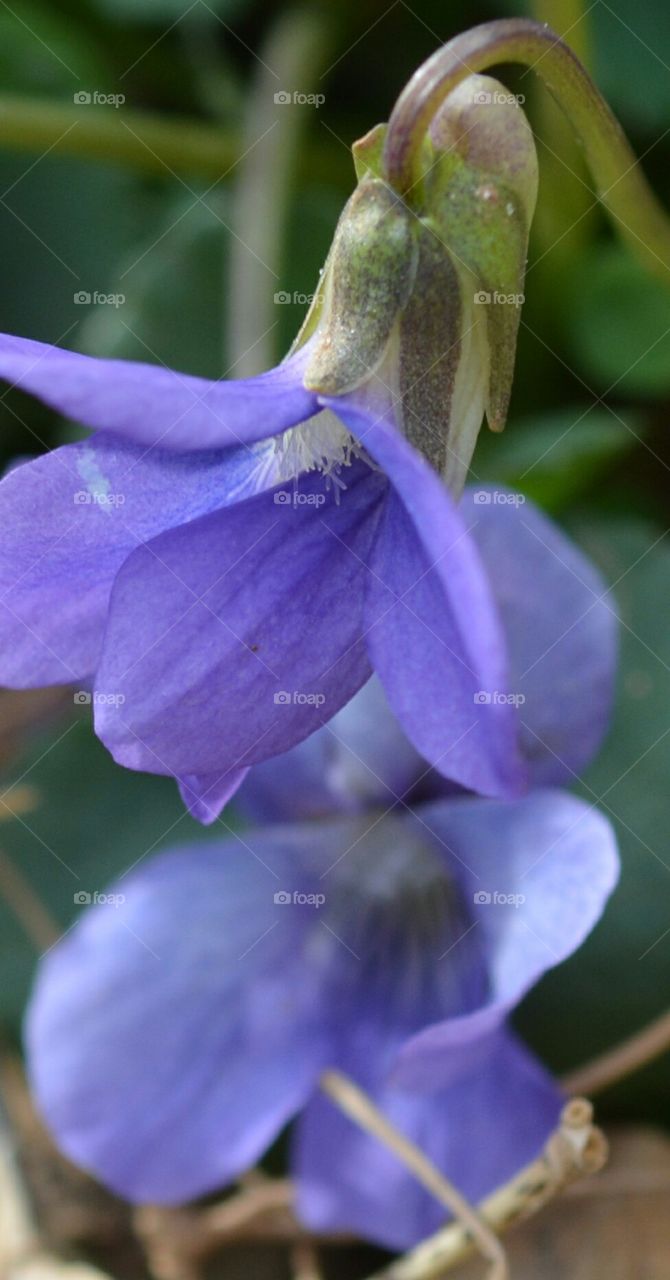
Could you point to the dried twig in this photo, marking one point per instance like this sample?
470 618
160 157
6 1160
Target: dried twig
622 1060
176 1240
575 1149
356 1104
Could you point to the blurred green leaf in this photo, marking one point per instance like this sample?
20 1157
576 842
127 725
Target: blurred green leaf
554 457
43 51
621 977
93 820
169 10
172 283
618 323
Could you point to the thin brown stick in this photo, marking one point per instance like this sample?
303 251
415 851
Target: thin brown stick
305 1261
576 1148
36 921
624 1059
359 1108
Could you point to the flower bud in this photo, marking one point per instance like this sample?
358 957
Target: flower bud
425 297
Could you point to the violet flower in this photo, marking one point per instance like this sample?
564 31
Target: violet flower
180 1025
226 563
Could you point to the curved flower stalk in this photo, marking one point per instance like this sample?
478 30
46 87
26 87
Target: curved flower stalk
178 1027
226 563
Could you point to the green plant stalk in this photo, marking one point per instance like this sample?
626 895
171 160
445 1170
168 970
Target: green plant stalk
619 182
564 218
140 140
271 149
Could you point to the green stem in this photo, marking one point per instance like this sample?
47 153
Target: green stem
619 181
272 142
141 140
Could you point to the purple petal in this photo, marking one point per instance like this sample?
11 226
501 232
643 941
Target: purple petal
235 636
69 520
205 795
435 638
561 631
152 405
360 759
478 1132
538 873
172 1035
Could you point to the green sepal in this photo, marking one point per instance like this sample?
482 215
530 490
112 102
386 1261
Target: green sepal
368 282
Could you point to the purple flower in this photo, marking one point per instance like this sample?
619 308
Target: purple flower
561 630
183 1022
225 564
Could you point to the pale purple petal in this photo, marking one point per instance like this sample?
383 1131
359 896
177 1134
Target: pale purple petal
360 759
69 520
233 637
561 629
171 1035
479 1132
537 874
205 795
435 637
152 405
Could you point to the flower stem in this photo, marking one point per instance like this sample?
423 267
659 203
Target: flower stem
291 60
140 140
619 181
623 1060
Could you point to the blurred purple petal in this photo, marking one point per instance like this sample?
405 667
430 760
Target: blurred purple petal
172 1035
561 629
478 1132
360 759
538 873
